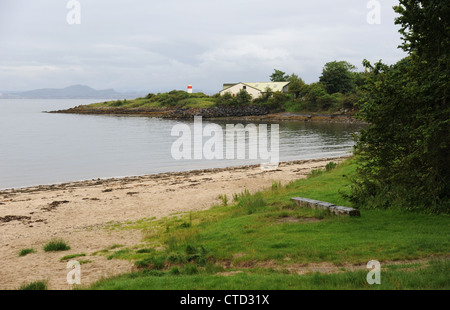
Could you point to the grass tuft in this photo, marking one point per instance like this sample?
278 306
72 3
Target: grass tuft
24 252
67 257
34 286
56 245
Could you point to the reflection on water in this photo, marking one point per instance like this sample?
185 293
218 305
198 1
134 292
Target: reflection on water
41 148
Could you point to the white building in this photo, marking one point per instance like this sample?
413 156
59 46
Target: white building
255 89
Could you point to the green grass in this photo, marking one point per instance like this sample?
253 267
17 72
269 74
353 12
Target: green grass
264 235
67 257
24 252
56 245
433 276
174 99
34 286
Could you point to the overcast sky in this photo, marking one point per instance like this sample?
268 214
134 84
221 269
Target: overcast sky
153 46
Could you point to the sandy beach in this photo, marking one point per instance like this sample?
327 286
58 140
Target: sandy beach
78 212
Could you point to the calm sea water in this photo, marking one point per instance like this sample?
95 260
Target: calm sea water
39 148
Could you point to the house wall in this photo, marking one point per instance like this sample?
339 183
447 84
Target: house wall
234 90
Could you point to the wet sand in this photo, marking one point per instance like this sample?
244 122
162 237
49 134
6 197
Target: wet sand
78 212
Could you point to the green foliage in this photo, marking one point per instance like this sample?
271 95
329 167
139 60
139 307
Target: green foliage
296 85
172 99
432 275
224 199
225 100
189 269
251 203
405 150
34 286
300 97
56 245
174 271
153 262
339 89
118 254
140 251
242 98
425 29
331 165
276 185
273 101
118 103
248 245
337 77
67 257
24 252
279 76
316 96
179 254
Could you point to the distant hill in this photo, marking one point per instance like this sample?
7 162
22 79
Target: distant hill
71 92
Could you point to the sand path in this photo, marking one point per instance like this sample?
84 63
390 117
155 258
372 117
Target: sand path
78 211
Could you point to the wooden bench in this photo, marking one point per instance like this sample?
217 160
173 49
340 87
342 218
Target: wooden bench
316 204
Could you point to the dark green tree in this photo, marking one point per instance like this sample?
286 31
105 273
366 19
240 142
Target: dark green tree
225 100
296 85
404 152
242 98
279 76
337 77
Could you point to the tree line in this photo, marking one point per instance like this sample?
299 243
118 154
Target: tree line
403 156
338 90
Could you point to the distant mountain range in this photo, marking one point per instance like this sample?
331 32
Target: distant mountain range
71 92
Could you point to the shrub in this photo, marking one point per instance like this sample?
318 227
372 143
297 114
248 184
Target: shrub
225 100
242 98
189 269
118 103
156 262
252 203
174 271
56 245
331 165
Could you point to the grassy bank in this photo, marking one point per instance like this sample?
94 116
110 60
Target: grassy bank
173 99
180 99
264 241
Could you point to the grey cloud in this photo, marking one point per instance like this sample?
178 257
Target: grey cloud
164 45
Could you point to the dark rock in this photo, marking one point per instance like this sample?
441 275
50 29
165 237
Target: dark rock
220 111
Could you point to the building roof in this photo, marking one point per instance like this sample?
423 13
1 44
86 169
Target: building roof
261 86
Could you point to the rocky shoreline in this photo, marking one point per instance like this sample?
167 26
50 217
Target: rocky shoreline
248 113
